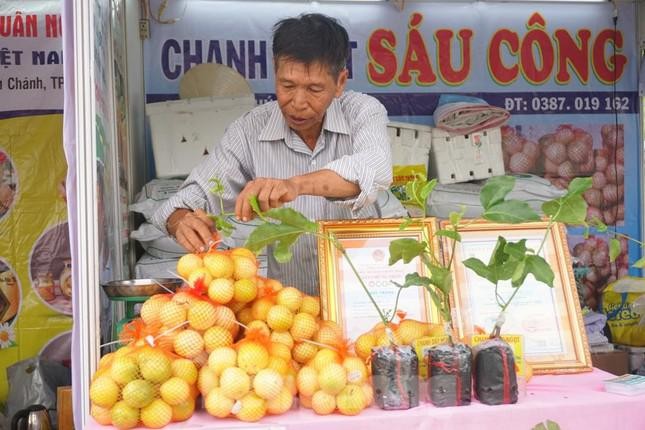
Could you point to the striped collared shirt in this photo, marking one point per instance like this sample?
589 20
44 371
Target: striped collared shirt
353 143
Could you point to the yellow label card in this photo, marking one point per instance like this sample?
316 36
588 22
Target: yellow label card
516 342
420 345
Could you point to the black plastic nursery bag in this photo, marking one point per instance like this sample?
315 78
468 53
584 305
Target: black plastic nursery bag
395 377
495 378
449 372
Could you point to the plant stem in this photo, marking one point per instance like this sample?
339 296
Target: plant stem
396 304
358 276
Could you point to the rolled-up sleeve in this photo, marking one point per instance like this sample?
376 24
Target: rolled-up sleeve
227 162
370 166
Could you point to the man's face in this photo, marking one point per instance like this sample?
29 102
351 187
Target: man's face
305 92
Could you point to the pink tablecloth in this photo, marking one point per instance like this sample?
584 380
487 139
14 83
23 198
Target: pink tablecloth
574 402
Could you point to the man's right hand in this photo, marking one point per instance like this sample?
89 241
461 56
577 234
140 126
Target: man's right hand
195 231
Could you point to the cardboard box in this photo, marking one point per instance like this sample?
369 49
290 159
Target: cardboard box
615 362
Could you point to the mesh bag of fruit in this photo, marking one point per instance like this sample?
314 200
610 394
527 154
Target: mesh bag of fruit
143 383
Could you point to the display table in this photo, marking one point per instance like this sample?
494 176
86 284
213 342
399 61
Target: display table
573 401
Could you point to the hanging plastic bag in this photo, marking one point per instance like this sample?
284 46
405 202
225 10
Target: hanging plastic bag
622 302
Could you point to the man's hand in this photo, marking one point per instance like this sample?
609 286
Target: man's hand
6 196
193 230
271 193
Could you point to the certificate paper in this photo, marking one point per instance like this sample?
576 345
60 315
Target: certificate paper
371 261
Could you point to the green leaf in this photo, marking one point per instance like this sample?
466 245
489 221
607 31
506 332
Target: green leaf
578 186
480 268
510 211
498 256
269 233
282 251
516 250
415 280
552 425
405 249
435 298
255 205
599 225
495 190
442 279
640 263
426 189
540 269
292 218
614 249
452 234
218 186
519 274
568 209
223 225
455 217
540 426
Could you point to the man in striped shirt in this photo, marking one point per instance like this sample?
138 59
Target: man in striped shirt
318 149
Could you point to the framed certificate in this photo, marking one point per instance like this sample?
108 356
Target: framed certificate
366 242
550 319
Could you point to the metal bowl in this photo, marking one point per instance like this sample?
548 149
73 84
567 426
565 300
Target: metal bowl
140 287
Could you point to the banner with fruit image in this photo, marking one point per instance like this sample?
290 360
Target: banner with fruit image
35 292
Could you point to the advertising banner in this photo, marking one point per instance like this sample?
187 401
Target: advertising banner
35 265
567 74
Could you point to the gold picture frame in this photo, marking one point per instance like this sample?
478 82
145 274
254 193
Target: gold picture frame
550 319
343 300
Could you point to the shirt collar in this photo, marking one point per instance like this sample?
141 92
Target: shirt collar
277 128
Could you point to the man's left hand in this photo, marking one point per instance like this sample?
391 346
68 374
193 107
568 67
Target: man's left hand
271 193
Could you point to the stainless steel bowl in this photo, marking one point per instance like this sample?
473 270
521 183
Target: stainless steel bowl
140 287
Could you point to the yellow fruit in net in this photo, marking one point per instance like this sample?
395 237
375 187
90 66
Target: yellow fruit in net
184 298
252 408
332 378
328 336
290 297
245 316
323 358
252 357
280 403
221 290
356 370
219 265
260 308
124 370
222 358
183 411
282 337
364 344
368 392
410 330
172 314
106 360
175 391
234 383
280 350
323 403
274 284
304 326
224 317
166 337
310 305
261 326
246 290
156 415
102 415
245 266
185 369
202 274
207 380
237 306
307 381
124 416
139 393
217 404
386 340
104 391
268 383
434 330
187 264
351 401
201 315
188 343
290 383
216 337
305 401
303 352
201 359
278 364
151 308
